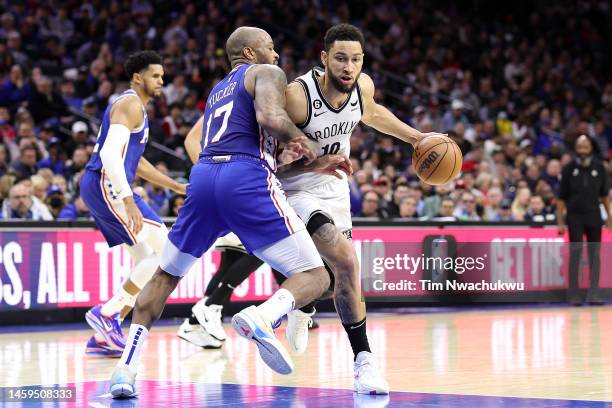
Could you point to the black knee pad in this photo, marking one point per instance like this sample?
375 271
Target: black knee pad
316 221
332 280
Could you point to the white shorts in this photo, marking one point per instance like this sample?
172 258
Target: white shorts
328 199
293 254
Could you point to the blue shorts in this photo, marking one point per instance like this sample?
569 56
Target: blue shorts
109 212
240 195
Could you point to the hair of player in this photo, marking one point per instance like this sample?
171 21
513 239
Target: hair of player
140 61
343 32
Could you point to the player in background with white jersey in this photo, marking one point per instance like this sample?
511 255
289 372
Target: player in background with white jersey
327 105
122 216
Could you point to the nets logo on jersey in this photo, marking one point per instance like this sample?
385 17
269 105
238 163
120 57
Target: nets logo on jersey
317 104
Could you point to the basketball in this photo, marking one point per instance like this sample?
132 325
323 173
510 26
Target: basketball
437 160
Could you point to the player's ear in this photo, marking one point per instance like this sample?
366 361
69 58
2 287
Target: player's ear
249 54
137 78
324 58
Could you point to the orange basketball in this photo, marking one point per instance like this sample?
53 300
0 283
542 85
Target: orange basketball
437 160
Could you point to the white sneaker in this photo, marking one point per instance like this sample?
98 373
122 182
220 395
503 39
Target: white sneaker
251 325
195 334
298 323
367 378
210 318
122 383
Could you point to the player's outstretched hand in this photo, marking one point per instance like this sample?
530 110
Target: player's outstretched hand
330 163
133 214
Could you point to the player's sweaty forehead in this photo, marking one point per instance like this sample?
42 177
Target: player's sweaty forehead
346 48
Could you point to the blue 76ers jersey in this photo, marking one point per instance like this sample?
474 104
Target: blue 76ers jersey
131 152
230 124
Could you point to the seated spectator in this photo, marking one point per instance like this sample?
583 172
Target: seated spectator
25 165
521 202
492 206
158 198
537 210
505 211
55 200
15 90
39 187
19 205
408 208
176 202
446 211
431 204
74 211
370 206
401 191
4 160
56 161
467 209
45 103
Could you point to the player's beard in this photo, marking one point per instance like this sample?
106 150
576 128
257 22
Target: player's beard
151 91
340 87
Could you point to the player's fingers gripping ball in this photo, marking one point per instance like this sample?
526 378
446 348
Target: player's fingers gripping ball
437 159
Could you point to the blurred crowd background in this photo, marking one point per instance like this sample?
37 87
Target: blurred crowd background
513 84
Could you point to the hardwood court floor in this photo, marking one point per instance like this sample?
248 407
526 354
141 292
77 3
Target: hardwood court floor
459 357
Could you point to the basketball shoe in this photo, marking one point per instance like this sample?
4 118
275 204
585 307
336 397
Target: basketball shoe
122 383
98 347
298 324
108 327
210 318
368 379
251 325
195 334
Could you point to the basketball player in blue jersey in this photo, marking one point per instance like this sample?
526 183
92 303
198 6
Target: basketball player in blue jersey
122 216
233 188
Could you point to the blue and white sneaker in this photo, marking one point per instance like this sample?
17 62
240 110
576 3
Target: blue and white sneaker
107 327
251 325
122 383
101 348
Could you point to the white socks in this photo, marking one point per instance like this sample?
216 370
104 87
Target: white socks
278 305
133 346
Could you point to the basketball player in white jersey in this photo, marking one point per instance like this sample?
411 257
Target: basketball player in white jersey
327 105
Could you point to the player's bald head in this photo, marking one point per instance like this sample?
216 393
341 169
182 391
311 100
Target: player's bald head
241 38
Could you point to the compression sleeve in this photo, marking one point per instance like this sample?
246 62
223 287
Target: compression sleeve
112 160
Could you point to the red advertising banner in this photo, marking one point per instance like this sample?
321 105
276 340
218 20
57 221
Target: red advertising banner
59 268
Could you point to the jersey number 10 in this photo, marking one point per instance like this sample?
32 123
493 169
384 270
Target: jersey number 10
331 148
226 111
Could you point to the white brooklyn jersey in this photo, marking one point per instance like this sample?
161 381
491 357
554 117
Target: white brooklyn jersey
331 128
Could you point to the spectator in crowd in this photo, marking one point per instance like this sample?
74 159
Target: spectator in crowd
447 210
74 211
370 205
26 164
55 200
467 210
39 187
521 203
537 210
175 204
505 211
431 205
408 208
19 205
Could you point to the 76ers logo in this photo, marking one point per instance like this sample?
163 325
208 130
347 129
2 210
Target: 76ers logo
145 136
317 104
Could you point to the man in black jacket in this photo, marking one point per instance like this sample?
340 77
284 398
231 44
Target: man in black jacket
584 185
